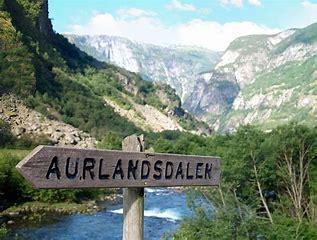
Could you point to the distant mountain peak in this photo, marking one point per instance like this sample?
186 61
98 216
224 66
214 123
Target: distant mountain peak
174 65
261 79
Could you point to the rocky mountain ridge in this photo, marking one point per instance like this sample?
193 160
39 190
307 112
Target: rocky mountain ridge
261 79
176 66
25 121
249 83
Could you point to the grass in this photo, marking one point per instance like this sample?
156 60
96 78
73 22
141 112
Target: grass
19 153
32 213
35 207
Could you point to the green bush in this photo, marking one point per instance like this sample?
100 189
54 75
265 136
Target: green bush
12 185
17 72
1 5
3 231
6 138
110 141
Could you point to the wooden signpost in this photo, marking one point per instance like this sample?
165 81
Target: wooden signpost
132 169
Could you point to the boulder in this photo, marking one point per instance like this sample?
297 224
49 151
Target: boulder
19 131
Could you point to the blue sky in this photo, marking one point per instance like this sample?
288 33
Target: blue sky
206 23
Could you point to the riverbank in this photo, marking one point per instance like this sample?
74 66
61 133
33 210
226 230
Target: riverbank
36 212
163 211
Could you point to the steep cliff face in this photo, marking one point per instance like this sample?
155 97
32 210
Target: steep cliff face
44 23
176 66
214 95
267 80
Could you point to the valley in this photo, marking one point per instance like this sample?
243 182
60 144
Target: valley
264 80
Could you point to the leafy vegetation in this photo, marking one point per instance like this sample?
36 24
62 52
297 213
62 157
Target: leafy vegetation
110 141
15 60
3 231
267 184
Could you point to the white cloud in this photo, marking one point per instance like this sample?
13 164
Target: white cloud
135 12
236 3
239 3
255 2
208 34
178 5
309 5
217 36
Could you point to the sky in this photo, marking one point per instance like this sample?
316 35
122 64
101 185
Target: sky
211 24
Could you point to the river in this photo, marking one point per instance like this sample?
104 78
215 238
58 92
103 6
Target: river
164 209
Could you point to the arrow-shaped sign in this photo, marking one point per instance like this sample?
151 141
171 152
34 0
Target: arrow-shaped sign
61 167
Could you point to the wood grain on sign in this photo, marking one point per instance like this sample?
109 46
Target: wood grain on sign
62 167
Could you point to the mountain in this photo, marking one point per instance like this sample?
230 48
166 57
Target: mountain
261 79
41 71
176 66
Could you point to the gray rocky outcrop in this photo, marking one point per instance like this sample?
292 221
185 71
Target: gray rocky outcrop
25 121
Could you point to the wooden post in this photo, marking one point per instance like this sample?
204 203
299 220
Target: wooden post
133 198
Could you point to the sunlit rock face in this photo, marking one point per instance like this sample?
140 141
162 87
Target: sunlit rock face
177 66
265 79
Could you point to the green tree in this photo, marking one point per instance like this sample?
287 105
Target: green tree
294 152
267 187
110 141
